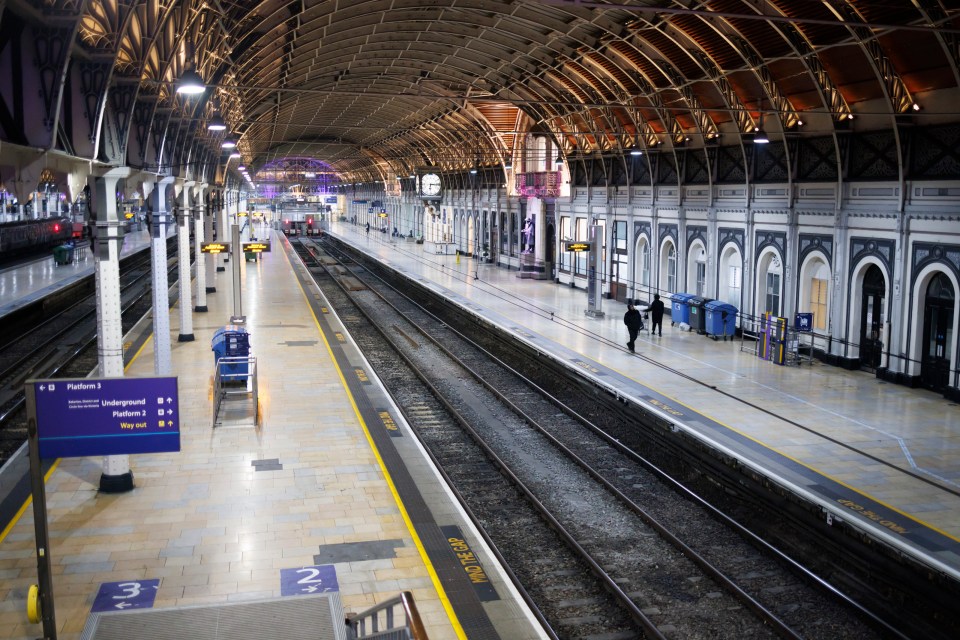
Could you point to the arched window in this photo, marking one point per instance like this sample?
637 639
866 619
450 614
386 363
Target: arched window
644 261
697 271
730 288
668 267
772 289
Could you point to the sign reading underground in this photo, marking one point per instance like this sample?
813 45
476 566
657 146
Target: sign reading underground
106 416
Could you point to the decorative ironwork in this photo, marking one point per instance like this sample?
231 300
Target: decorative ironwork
696 232
775 239
639 170
925 253
861 248
666 168
817 159
695 168
810 243
935 153
874 156
668 230
770 163
730 165
728 235
641 228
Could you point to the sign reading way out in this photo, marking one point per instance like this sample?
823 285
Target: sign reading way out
106 416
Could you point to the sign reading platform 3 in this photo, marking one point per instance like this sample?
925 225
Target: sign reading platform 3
106 416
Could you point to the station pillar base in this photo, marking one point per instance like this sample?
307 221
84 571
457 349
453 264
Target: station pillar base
116 484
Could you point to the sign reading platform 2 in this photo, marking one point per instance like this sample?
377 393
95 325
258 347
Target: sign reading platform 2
106 416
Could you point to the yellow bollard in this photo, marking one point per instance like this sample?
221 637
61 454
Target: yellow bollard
458 257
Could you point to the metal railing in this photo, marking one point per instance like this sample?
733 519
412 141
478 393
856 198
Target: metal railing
395 619
235 383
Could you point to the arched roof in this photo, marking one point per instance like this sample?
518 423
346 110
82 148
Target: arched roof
378 86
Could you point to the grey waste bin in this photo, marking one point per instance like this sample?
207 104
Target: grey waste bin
698 314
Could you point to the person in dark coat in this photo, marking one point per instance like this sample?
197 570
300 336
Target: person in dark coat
634 323
656 314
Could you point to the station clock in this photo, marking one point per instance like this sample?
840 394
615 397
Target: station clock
429 185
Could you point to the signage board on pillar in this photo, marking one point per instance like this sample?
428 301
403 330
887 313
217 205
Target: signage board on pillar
576 247
106 416
214 247
256 247
593 276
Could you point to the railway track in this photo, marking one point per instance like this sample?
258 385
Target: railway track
64 344
603 545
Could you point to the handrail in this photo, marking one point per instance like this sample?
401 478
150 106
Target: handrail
367 625
220 391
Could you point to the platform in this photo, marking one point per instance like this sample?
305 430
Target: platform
320 496
26 283
882 456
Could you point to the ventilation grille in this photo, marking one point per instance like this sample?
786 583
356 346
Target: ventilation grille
317 617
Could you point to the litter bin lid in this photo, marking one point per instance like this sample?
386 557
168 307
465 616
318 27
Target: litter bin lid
223 331
681 297
719 305
698 301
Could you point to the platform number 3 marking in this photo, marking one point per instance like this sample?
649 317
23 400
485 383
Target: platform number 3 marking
132 589
135 594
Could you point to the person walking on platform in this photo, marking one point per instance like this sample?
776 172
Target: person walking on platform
634 323
368 227
656 311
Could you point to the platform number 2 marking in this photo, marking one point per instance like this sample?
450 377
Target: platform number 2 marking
316 579
313 578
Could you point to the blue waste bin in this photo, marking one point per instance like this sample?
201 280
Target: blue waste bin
679 309
721 319
231 341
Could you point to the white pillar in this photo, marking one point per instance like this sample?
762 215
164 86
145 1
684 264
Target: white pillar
116 476
160 219
201 260
183 266
210 261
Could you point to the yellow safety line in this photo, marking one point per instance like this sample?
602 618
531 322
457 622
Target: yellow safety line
791 458
26 503
15 519
396 496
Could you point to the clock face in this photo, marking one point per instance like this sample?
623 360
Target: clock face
430 184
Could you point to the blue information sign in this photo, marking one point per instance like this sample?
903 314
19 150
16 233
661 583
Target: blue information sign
120 596
106 416
803 322
305 580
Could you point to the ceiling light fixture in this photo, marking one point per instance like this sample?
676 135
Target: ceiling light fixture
759 135
228 144
216 123
558 162
190 83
